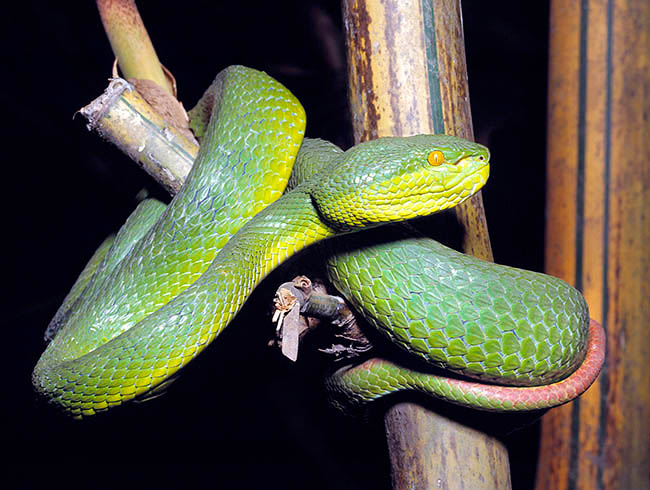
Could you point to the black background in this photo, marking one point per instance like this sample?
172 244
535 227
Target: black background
244 415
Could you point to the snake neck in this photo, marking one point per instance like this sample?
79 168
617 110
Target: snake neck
278 232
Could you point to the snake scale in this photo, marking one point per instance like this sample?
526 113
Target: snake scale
173 278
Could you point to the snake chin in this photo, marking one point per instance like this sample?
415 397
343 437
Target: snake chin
462 188
392 200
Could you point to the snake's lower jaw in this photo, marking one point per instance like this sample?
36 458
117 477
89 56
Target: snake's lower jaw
434 194
478 180
463 187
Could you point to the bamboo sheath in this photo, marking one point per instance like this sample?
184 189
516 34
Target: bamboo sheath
598 234
407 75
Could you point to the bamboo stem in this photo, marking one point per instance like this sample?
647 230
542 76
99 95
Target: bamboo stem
597 234
122 116
397 49
130 41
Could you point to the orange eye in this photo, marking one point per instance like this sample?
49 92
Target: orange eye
436 158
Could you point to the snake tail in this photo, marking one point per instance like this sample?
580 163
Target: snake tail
352 387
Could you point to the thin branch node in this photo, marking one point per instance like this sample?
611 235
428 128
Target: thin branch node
94 111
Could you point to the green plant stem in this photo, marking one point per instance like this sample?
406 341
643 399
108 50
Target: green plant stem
128 36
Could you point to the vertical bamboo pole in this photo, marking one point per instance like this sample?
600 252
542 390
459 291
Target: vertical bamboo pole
598 234
407 75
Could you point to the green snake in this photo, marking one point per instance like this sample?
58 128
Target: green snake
174 277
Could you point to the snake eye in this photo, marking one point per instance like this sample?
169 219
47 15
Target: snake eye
436 158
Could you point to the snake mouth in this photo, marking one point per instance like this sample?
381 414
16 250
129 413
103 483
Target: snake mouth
424 199
469 175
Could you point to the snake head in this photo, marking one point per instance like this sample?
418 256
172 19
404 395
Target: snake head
394 179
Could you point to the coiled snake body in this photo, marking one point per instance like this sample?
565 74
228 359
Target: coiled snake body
174 277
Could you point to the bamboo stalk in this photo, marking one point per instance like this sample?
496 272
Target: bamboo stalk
122 116
131 44
407 75
598 234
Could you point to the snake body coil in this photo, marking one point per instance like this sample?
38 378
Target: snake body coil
167 288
